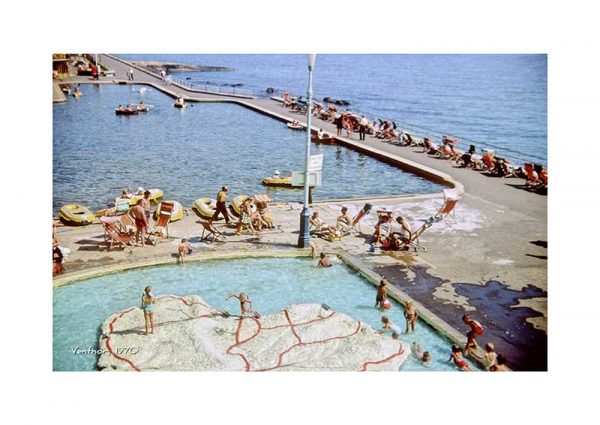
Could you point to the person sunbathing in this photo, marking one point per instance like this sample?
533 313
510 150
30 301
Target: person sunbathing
318 225
344 222
383 231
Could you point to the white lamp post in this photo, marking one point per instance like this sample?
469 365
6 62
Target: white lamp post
304 236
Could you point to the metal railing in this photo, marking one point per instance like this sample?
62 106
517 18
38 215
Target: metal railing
210 88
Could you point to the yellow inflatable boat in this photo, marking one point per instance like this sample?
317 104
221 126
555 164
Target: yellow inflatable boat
176 214
205 208
155 197
236 204
76 215
278 181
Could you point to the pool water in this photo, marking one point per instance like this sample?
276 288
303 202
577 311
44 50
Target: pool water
273 284
191 153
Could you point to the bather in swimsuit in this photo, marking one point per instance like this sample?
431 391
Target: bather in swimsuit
148 308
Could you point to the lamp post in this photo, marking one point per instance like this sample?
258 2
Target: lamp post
304 236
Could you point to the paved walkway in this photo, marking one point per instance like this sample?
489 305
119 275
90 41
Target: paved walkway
491 259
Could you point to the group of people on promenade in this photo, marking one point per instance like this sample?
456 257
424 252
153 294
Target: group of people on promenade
254 213
536 175
490 359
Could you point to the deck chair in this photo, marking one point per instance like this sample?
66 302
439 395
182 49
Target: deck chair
451 197
161 226
210 231
431 148
114 233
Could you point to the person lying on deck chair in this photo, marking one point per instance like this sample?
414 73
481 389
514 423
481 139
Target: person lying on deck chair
317 224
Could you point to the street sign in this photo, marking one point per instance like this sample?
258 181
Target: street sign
314 179
315 163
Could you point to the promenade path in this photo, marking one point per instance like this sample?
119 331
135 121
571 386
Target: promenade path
490 260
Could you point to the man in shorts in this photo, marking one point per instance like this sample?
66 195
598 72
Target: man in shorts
141 222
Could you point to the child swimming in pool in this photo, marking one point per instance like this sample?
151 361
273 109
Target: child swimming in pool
245 305
388 325
148 308
459 361
423 356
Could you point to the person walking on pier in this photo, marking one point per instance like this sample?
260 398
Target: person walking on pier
363 128
222 205
130 74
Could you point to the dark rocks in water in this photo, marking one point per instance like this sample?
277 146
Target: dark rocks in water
270 90
188 78
237 85
339 102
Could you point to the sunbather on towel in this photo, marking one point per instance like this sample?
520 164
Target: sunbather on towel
318 225
403 235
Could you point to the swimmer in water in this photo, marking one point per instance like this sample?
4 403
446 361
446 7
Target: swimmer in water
388 325
423 356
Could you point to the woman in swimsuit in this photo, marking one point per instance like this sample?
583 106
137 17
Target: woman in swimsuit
245 213
411 315
148 307
458 358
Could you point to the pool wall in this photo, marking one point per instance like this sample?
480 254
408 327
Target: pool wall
439 325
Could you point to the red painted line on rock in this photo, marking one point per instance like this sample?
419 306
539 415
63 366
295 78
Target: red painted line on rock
400 351
110 350
238 342
287 317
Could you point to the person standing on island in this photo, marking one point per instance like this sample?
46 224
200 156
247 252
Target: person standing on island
324 261
245 305
476 330
148 308
222 205
381 293
141 222
130 74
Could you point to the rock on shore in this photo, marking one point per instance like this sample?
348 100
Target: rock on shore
191 335
156 67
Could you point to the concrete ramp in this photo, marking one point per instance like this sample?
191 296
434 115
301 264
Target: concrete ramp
57 94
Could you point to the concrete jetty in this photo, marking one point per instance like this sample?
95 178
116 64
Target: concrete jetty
490 259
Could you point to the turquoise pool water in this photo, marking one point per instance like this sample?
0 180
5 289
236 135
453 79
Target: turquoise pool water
190 154
79 309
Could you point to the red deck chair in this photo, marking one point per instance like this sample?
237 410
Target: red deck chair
452 198
532 177
114 233
164 216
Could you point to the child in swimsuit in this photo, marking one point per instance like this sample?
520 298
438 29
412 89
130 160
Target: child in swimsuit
458 358
184 249
381 294
245 305
489 358
476 329
389 326
148 307
411 315
423 356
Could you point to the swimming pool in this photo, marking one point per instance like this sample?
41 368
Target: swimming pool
191 153
273 284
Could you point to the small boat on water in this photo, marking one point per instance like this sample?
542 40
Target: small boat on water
176 214
155 197
179 103
76 215
295 125
126 111
205 208
325 139
277 181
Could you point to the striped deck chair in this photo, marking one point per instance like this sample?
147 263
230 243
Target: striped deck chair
116 233
211 232
451 198
164 216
